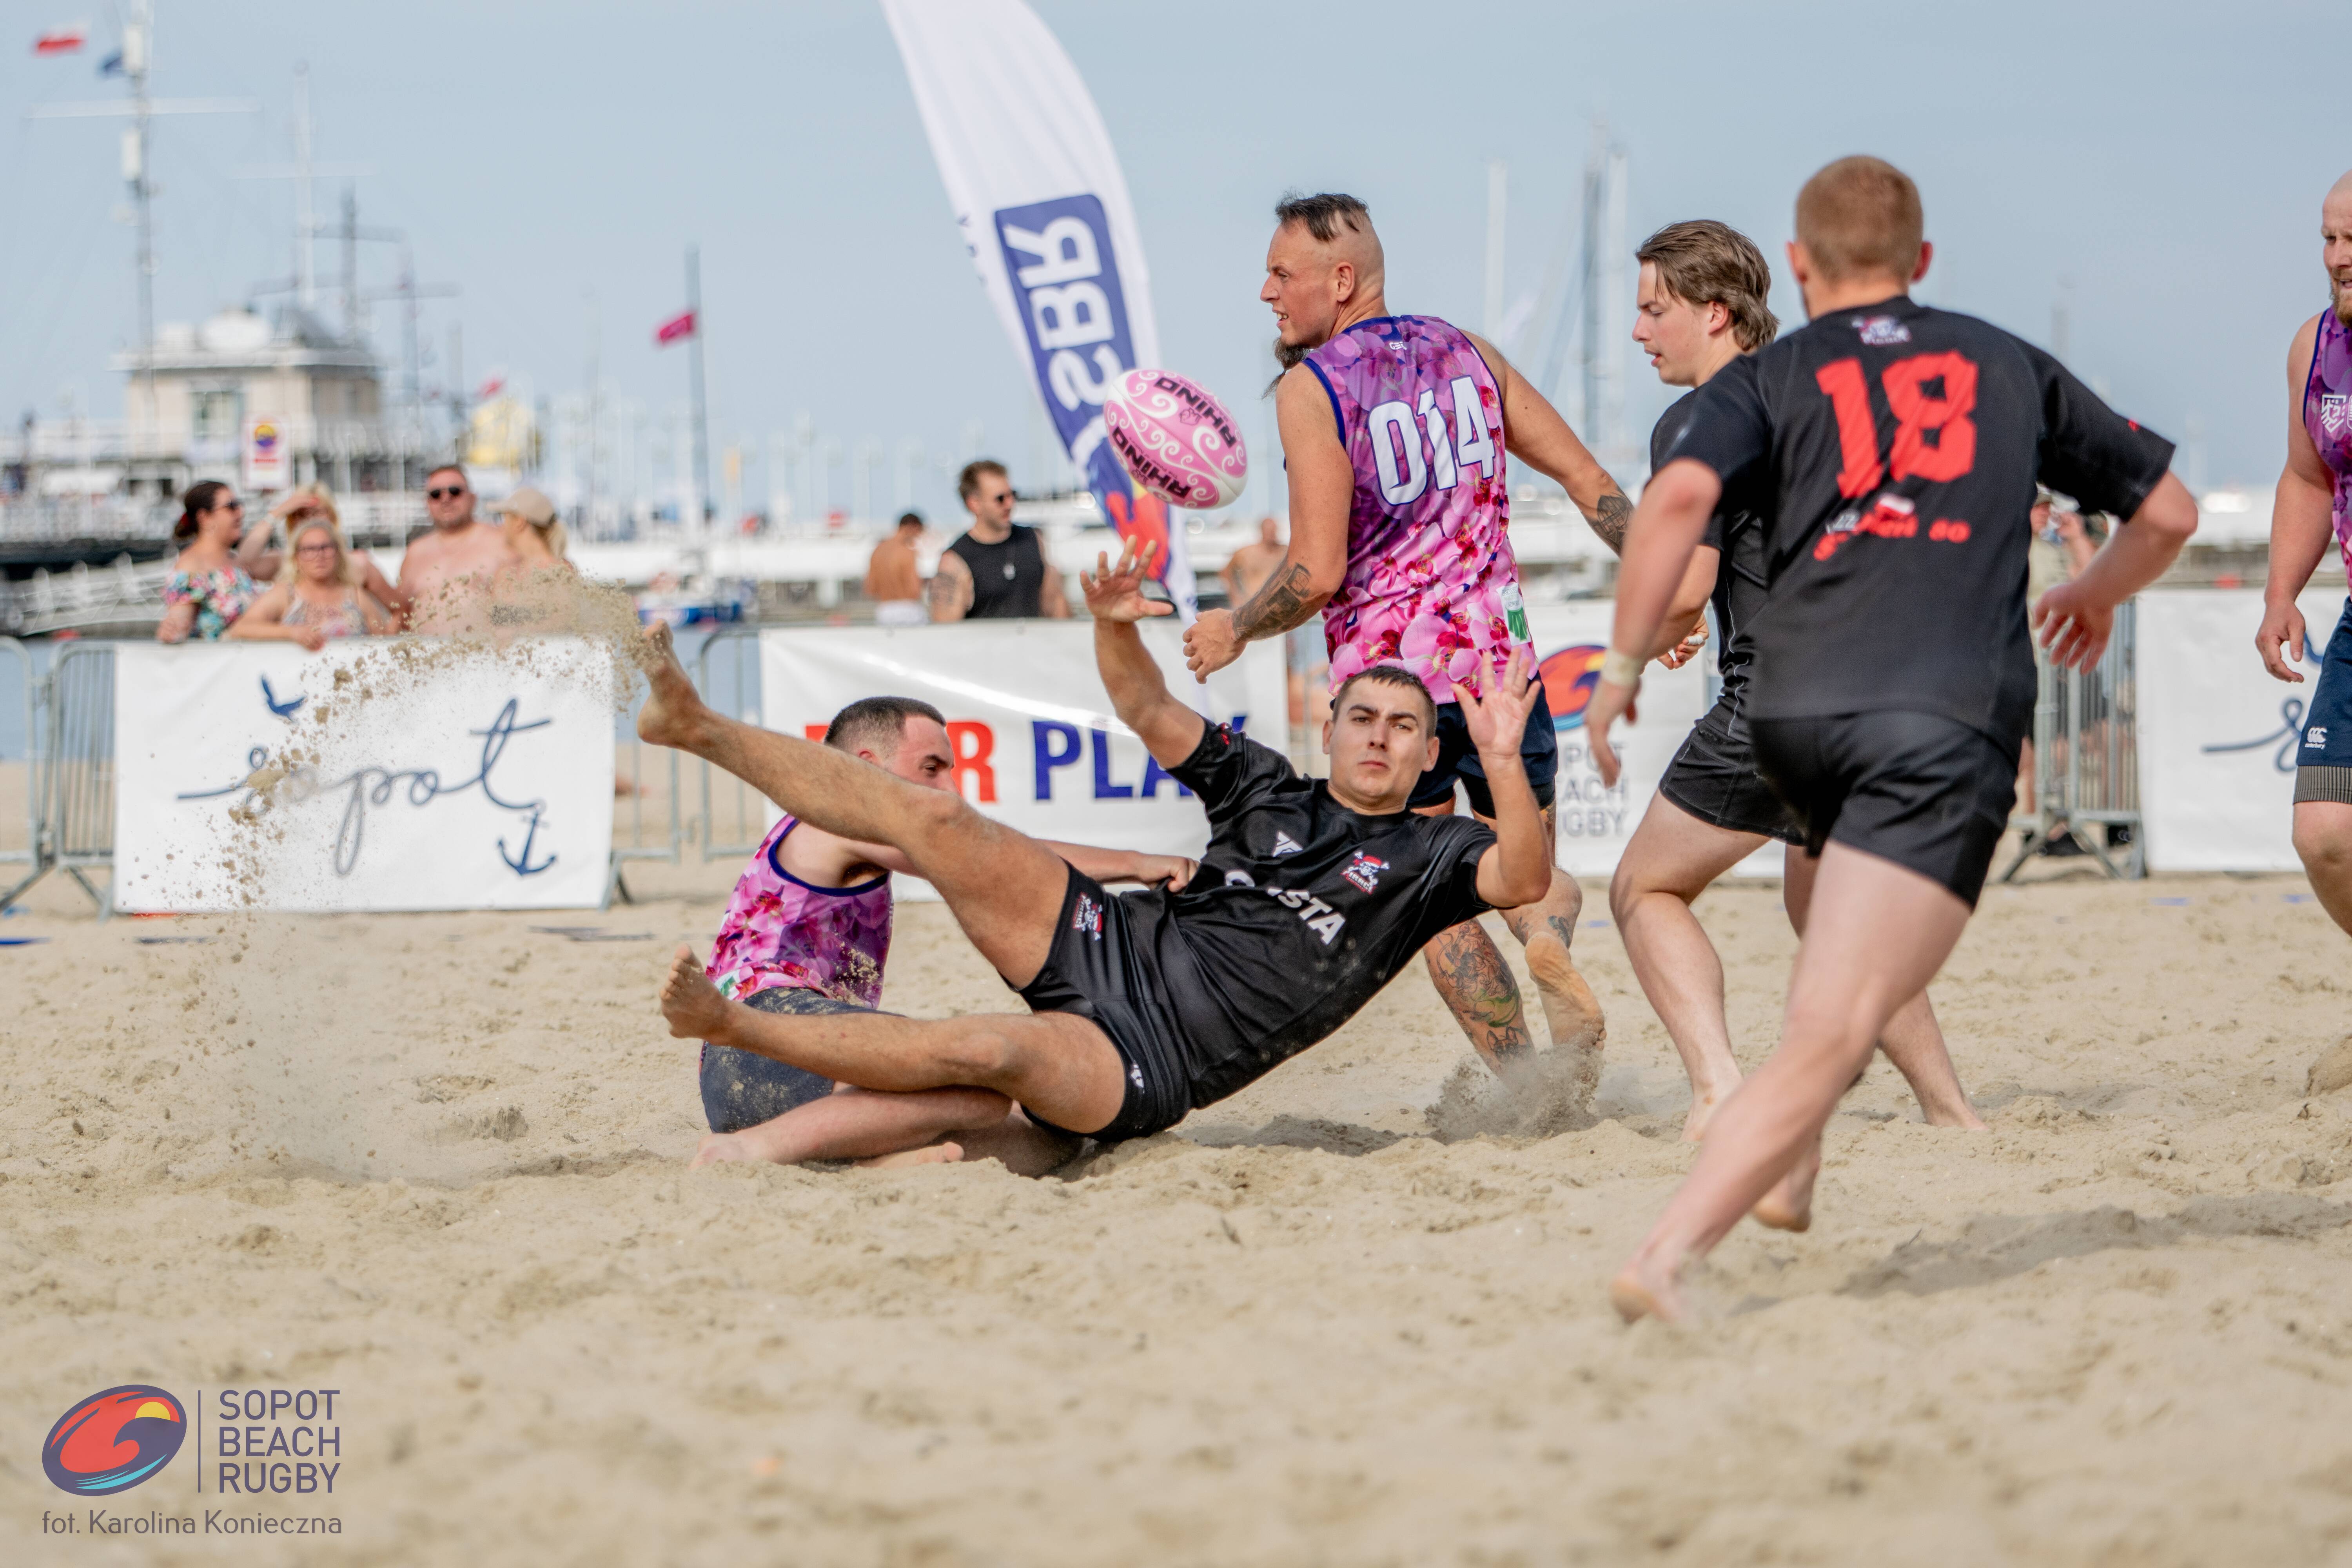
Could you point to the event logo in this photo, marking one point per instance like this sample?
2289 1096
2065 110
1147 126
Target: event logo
1569 678
1364 871
112 1441
265 440
1882 332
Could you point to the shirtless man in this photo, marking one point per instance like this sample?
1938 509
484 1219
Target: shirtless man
1394 432
1311 894
2315 500
451 568
1702 305
1897 447
1251 564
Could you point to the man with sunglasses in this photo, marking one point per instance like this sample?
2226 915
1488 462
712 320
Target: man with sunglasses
449 569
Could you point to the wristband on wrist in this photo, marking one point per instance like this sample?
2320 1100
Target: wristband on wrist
1620 669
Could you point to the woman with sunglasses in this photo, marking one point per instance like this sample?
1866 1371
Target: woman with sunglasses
210 588
321 598
259 554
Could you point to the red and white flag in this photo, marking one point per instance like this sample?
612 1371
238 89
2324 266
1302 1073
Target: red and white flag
62 40
678 326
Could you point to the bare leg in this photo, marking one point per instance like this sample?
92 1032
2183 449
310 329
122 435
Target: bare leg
2323 837
1002 886
1546 927
1476 985
1062 1066
1876 936
1671 860
856 1124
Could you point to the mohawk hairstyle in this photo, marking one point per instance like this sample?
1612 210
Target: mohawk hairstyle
1324 214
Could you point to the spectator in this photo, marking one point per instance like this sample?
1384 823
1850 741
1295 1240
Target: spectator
455 563
258 553
2061 547
893 580
533 529
210 589
996 570
321 598
1307 661
1251 564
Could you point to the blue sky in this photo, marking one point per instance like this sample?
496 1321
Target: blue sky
2167 160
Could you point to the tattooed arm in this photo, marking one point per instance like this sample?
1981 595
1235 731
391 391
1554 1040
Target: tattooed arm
1322 491
1534 434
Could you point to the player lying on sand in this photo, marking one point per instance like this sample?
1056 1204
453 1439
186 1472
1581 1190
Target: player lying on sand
808 931
1311 894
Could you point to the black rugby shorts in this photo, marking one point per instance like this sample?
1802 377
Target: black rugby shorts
1097 970
1713 778
1921 790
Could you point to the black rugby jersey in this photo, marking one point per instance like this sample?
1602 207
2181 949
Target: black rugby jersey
1301 911
1737 530
1899 447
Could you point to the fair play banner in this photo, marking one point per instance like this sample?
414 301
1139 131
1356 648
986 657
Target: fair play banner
1035 741
2218 737
420 775
1043 209
1597 819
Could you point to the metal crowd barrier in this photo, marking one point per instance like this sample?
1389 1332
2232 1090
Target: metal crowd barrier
69 767
2087 758
26 690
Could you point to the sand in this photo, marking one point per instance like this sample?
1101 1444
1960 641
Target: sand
437 1162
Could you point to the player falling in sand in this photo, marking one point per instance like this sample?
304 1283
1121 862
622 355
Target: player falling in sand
1701 305
808 931
1394 431
1310 895
1897 448
2315 501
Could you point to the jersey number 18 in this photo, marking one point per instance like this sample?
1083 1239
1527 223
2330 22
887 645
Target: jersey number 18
1406 462
1916 412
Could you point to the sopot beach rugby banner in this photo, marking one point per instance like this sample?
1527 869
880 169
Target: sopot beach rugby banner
370 775
1043 209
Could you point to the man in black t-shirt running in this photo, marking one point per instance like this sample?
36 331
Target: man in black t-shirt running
1893 676
1310 895
1702 305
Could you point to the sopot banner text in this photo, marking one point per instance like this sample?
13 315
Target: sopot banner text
370 775
2219 738
1043 212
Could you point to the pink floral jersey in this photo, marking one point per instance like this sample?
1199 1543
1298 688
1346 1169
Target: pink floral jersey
1432 583
781 933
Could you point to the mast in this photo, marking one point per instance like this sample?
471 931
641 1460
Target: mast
702 477
136 32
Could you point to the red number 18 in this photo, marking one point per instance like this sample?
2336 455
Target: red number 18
1954 451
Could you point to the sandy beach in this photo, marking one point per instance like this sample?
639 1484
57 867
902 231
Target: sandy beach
436 1162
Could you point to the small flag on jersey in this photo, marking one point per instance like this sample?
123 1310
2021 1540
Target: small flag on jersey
62 40
678 326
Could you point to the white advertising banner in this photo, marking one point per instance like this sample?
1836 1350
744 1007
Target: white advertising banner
370 775
1043 212
1039 748
1035 741
2217 735
1597 819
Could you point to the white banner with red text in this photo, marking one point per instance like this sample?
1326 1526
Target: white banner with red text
1038 748
2218 734
415 775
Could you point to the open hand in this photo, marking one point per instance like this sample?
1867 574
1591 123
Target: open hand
2282 639
2074 625
1116 593
1497 717
1210 644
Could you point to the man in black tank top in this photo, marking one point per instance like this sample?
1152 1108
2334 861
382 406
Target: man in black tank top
996 570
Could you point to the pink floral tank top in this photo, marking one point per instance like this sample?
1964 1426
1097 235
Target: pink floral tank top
2327 414
1432 584
781 933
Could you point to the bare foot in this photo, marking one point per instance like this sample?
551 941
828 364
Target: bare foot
693 1005
1702 1112
672 704
1571 1009
1964 1117
929 1154
1789 1205
718 1146
1646 1288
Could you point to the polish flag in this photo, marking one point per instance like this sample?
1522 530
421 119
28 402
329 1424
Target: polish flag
678 326
490 388
62 40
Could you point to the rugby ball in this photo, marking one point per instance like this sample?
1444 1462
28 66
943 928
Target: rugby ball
1174 439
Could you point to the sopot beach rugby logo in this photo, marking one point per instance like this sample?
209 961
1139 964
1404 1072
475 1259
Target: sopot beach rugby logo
113 1440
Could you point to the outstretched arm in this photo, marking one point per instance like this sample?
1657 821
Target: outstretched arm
1322 491
1138 693
1534 434
1517 870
